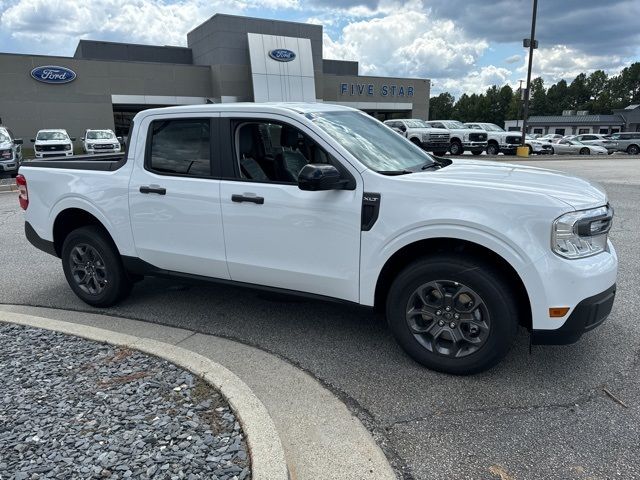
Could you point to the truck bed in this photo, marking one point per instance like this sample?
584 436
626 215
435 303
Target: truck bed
107 162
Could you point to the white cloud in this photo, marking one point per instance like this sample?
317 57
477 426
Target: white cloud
563 62
476 81
406 43
513 59
57 25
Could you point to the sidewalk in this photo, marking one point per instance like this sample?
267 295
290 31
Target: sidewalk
320 436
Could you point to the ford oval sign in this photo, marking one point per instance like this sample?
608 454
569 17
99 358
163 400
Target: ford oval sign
282 55
53 74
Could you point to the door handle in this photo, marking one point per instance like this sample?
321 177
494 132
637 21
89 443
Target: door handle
153 189
247 198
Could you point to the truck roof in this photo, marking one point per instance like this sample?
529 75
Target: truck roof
266 107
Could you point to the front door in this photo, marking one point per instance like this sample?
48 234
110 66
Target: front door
276 234
174 198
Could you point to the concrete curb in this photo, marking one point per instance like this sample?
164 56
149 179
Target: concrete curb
267 454
11 187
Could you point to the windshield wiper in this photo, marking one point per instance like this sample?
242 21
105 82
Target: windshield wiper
431 165
395 172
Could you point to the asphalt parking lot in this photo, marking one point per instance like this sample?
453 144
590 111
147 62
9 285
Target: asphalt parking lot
544 415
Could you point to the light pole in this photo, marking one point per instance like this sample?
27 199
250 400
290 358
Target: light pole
519 103
532 44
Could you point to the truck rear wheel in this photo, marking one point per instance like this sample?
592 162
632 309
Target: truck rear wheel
452 314
93 267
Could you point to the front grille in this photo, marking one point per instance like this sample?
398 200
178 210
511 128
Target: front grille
107 146
51 148
439 137
478 137
513 139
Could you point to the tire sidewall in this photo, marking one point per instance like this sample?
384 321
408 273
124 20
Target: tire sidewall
114 271
491 148
485 282
456 148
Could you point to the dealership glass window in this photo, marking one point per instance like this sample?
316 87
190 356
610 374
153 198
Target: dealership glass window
603 131
180 147
538 131
582 131
560 131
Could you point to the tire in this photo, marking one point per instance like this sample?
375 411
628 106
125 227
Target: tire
494 302
476 152
493 149
456 148
633 150
585 151
530 149
552 151
93 254
416 142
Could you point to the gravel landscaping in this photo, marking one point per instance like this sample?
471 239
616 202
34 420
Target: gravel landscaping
73 408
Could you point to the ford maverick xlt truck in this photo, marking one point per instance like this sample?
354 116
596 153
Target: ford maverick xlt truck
328 202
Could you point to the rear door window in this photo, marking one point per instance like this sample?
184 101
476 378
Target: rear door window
180 147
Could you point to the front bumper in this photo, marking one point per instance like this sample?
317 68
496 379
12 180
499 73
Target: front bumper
10 166
587 315
434 146
475 145
59 153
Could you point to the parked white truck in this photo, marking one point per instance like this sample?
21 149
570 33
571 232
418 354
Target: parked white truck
462 138
325 201
497 139
53 143
430 139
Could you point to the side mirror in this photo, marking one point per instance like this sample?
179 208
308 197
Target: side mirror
119 139
18 141
403 128
82 139
33 140
314 177
73 139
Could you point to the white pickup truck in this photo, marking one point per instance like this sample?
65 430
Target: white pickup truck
53 143
325 201
497 139
417 131
462 138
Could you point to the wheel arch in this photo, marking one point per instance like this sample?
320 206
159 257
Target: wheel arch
72 218
408 253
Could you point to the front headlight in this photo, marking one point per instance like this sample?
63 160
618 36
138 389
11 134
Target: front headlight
583 233
67 147
465 137
89 146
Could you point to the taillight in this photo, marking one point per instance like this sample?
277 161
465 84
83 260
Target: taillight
23 193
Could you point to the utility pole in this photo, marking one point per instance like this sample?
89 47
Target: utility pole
532 44
519 103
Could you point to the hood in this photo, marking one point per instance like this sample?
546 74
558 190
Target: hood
53 142
576 192
101 141
429 130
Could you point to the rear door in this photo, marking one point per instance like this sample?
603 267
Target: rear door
174 196
276 234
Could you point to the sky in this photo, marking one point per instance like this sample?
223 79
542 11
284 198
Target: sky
463 46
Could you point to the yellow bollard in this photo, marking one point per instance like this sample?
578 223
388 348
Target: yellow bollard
523 151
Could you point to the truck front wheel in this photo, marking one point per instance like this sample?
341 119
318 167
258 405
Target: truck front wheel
493 149
93 268
456 148
452 314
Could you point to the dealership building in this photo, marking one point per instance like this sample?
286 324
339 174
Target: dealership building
227 59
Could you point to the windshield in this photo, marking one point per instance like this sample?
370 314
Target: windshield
369 141
4 137
454 124
490 127
51 136
415 124
100 135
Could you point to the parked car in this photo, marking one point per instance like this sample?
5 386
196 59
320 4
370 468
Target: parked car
100 141
53 143
627 142
10 152
551 137
574 147
497 139
326 201
462 138
538 147
598 139
434 140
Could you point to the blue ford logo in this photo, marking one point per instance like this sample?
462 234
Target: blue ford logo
282 55
53 74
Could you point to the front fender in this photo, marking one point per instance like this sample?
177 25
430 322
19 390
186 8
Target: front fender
374 260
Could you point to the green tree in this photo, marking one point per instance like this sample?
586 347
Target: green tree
441 107
558 98
537 98
579 95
